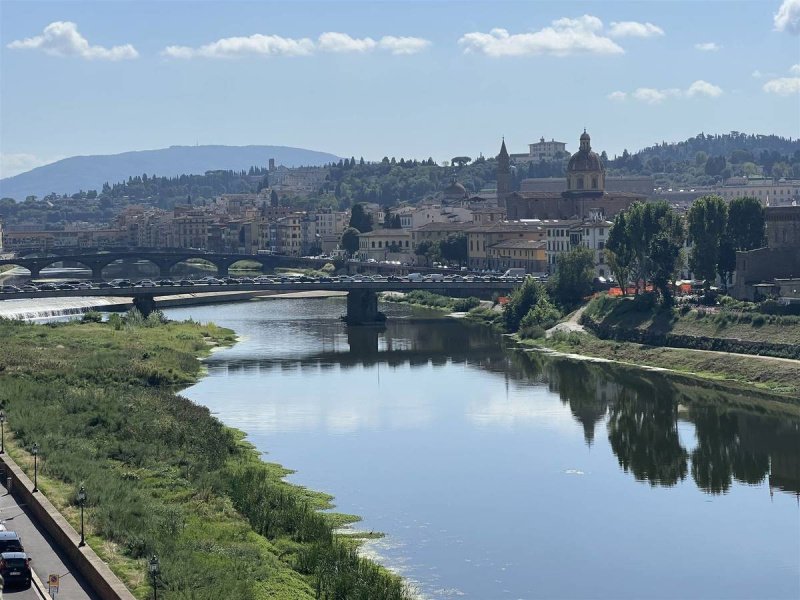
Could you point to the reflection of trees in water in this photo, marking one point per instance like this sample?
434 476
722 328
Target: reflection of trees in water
642 427
643 433
720 454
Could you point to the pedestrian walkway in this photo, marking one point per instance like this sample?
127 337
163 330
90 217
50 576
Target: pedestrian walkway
46 559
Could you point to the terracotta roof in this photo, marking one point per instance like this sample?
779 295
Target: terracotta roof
529 244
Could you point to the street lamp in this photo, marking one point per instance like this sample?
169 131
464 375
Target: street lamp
154 570
35 452
81 503
2 432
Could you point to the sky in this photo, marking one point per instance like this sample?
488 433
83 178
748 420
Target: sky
405 79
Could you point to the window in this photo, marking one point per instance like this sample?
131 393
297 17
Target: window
594 183
580 183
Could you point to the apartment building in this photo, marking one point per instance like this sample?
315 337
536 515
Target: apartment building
481 237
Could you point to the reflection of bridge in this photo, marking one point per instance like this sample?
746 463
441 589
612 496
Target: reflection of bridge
164 260
362 299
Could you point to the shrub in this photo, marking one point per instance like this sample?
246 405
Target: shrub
92 316
465 304
542 315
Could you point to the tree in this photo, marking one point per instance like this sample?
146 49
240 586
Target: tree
460 161
454 248
715 165
746 224
619 252
360 220
707 220
273 198
350 240
573 279
521 301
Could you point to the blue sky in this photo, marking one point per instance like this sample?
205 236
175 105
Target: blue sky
411 79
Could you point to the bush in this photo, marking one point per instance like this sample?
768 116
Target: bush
521 301
543 315
465 304
92 316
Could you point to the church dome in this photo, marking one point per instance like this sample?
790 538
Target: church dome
455 189
585 172
585 159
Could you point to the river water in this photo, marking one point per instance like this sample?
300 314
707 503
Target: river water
502 474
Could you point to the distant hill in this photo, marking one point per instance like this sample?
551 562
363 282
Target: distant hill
90 172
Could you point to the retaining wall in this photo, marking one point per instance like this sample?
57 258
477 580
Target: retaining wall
94 571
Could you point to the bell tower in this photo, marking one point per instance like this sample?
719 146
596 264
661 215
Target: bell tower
503 175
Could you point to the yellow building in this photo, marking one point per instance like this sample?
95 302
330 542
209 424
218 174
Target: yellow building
481 237
385 244
530 255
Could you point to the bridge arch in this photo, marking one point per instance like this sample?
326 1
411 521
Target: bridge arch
21 265
245 264
182 265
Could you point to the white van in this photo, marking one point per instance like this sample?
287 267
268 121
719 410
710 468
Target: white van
514 273
414 277
435 277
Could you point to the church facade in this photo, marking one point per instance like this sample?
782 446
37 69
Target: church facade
584 190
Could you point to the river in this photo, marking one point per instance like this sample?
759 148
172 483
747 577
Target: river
497 473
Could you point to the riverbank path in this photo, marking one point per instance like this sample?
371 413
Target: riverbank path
46 559
572 324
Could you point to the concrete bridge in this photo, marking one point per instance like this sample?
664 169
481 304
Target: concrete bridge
362 296
165 260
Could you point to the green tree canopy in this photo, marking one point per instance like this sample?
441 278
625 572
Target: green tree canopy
350 240
707 220
572 281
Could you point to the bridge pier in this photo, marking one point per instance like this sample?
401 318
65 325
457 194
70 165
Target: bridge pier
35 270
222 270
145 304
97 273
362 308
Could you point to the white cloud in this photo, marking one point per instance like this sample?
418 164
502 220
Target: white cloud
634 29
62 38
274 45
656 96
403 45
757 74
564 37
332 41
14 164
795 69
650 95
703 88
707 47
236 47
783 86
788 17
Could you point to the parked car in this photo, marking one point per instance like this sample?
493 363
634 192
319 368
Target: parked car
186 282
165 282
146 283
47 287
104 285
9 288
29 288
10 542
15 567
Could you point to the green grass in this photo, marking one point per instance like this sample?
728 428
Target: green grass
767 375
163 476
423 298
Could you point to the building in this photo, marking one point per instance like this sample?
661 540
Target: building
518 254
559 239
584 192
385 244
482 237
15 240
413 217
503 175
770 192
1 236
542 151
191 227
436 232
287 235
758 270
489 214
642 185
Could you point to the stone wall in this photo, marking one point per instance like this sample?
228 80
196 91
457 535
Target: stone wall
97 574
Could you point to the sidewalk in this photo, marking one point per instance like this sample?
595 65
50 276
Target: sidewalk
46 559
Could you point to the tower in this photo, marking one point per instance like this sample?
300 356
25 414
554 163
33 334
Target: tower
503 175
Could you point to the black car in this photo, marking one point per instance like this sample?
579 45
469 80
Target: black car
15 567
230 281
10 542
104 285
65 286
47 287
186 282
165 282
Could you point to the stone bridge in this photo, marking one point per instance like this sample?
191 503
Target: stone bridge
164 260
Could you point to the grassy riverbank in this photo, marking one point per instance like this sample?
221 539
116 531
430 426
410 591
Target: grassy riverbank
430 300
776 376
163 476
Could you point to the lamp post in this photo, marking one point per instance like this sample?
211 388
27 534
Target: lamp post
2 432
154 570
35 452
81 503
